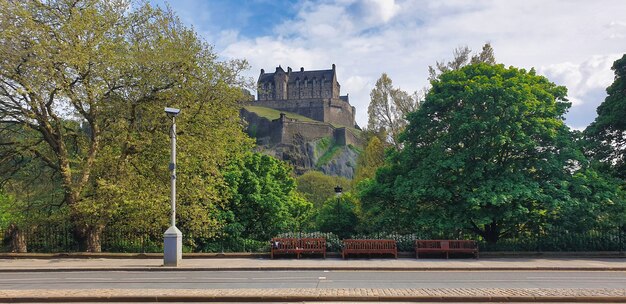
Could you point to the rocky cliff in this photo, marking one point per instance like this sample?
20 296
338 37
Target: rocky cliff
325 151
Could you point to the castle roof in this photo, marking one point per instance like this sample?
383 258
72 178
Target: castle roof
301 75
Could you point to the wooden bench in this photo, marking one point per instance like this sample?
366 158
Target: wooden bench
297 246
446 246
369 247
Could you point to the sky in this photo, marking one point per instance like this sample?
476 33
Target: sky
572 42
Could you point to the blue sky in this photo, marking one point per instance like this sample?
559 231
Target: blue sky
572 42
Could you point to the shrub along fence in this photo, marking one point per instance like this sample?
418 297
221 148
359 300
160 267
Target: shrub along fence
45 239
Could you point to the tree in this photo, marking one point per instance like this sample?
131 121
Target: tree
461 59
91 78
607 134
372 158
263 197
339 215
487 152
317 187
388 108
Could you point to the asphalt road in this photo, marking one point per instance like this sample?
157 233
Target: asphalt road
311 279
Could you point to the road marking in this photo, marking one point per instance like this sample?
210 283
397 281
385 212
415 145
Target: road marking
321 278
31 279
97 279
576 278
285 278
163 278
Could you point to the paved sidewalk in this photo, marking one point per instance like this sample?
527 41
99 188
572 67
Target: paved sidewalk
217 264
317 294
310 294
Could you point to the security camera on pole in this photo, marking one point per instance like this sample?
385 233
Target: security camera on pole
173 238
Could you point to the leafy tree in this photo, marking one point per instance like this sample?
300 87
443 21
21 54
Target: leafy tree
607 133
372 158
263 197
90 79
339 215
317 187
388 108
596 201
487 152
462 57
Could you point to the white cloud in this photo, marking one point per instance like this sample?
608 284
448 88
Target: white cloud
592 74
572 42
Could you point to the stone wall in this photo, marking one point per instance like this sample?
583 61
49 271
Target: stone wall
309 131
345 136
339 112
334 111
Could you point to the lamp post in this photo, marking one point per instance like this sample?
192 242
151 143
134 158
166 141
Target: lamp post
338 191
173 238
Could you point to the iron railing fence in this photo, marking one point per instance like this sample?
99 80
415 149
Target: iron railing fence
47 239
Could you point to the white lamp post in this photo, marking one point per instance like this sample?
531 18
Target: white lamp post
173 238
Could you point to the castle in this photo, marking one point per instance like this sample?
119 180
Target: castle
314 94
299 117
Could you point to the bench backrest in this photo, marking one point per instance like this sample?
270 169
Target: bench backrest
445 244
369 244
284 243
463 244
293 243
312 243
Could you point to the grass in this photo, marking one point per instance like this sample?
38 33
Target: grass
272 114
329 155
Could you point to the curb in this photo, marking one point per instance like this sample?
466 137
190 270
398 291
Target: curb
404 254
165 298
311 268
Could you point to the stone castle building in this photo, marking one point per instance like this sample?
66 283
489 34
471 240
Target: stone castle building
314 94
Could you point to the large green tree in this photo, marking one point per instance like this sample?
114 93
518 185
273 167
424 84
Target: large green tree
263 197
90 79
487 152
607 134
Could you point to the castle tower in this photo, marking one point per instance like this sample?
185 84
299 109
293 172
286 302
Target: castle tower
314 94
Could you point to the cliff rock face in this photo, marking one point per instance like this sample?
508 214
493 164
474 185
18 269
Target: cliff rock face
326 151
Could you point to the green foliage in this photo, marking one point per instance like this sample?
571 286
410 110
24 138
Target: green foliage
329 155
372 158
607 134
487 151
93 79
263 197
339 215
317 187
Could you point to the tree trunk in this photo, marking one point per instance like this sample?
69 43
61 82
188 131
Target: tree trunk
17 239
492 233
90 237
93 240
